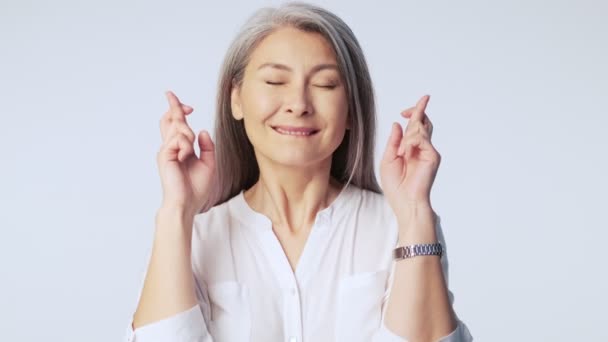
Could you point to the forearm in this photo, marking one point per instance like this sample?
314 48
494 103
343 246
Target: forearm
418 306
169 285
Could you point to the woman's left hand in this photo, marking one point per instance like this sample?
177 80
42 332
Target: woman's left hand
410 161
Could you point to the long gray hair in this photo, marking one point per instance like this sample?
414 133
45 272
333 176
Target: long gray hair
353 160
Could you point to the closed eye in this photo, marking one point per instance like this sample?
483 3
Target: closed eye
329 86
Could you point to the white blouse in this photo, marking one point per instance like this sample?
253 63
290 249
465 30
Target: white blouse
247 290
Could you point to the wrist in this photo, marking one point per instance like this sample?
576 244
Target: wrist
415 215
411 210
408 238
174 218
173 211
417 225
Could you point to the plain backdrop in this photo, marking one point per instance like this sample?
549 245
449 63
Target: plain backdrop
518 100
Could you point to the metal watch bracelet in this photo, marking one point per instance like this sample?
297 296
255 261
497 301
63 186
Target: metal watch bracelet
405 252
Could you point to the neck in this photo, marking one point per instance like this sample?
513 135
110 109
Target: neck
292 196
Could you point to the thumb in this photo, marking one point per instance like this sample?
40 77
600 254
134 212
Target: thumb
394 140
207 147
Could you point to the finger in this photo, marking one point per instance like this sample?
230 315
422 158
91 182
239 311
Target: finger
186 149
165 120
165 124
427 121
178 148
429 127
424 145
415 127
393 143
410 136
417 141
418 113
184 146
401 150
411 143
407 140
411 112
206 146
175 106
180 127
186 108
406 113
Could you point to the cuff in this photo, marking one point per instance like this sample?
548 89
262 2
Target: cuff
188 325
460 334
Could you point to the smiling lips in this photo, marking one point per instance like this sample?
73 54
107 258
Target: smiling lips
296 131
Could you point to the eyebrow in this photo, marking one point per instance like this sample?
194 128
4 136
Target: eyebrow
316 68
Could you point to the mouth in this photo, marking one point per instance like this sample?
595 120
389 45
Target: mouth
295 131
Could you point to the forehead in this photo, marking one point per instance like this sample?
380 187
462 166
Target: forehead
293 47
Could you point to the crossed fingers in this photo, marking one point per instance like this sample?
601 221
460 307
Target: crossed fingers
418 123
174 122
418 120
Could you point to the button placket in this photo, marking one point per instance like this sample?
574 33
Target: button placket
294 315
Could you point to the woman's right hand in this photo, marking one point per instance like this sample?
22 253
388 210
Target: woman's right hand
187 180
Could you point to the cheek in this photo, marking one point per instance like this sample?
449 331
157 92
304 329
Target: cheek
335 108
259 104
258 107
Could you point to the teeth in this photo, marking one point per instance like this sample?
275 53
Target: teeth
282 131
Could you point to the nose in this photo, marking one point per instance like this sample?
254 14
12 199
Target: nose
298 100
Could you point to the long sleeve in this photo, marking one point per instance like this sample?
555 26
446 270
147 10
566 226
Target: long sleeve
460 334
186 326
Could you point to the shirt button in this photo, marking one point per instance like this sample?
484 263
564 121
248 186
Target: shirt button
293 339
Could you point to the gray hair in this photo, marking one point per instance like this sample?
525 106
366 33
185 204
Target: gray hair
353 160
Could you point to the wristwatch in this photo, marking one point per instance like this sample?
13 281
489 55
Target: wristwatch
405 252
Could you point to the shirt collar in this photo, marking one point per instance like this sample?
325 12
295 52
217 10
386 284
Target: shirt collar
325 217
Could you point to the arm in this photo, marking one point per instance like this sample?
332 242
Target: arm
419 290
418 307
169 284
459 334
168 307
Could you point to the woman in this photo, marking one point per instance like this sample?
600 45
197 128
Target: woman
280 232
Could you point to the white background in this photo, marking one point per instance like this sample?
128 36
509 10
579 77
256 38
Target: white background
518 100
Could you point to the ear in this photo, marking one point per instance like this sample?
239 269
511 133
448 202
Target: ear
235 102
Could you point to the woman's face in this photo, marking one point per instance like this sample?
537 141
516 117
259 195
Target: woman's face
292 99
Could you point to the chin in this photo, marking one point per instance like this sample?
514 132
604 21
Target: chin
300 159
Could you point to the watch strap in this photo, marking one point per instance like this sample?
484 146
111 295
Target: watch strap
405 252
